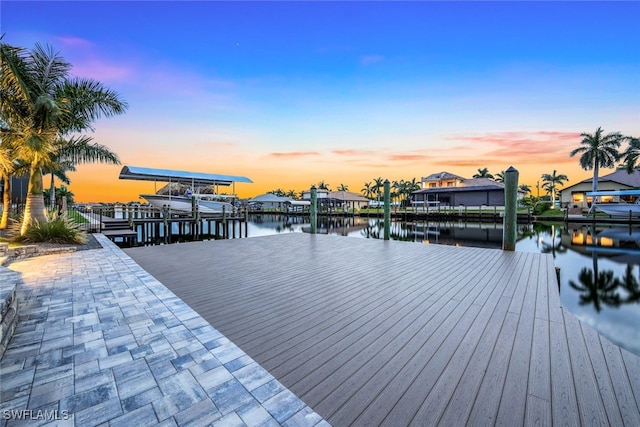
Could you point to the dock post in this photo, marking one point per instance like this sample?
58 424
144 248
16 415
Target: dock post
387 209
510 209
224 223
246 223
314 209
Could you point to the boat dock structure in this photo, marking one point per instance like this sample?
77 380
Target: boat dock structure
298 329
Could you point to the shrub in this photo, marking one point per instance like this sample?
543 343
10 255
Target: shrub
58 229
541 207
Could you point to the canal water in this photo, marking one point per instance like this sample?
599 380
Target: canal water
599 266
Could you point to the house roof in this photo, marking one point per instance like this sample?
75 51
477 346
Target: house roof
347 196
441 176
270 198
620 176
473 184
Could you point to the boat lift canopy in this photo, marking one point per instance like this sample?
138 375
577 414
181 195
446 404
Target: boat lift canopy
183 177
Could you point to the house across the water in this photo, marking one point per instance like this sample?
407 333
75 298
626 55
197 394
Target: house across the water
574 196
445 189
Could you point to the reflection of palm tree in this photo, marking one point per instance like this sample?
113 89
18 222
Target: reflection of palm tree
556 245
597 288
631 285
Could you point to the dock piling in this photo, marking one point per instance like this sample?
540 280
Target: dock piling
387 209
510 209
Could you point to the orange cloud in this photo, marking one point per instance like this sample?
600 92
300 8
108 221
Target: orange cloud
522 147
408 157
352 152
294 154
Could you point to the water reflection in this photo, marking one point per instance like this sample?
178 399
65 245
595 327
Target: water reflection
599 266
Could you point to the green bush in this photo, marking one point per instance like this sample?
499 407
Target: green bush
58 229
541 207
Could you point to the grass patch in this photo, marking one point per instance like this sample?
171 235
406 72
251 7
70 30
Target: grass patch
77 217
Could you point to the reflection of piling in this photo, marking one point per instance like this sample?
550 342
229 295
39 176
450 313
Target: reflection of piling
558 277
510 209
387 209
314 209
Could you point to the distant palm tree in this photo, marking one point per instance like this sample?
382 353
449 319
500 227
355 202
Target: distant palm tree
551 182
343 187
598 151
483 173
526 188
367 190
499 177
322 186
378 186
292 193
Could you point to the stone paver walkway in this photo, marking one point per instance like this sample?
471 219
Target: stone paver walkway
101 342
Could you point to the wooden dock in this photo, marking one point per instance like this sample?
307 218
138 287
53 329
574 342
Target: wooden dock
371 332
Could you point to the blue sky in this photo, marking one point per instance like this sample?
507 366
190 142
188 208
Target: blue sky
291 93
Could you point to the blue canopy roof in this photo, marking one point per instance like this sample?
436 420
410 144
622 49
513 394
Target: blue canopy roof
167 175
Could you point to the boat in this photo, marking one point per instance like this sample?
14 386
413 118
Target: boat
183 203
619 209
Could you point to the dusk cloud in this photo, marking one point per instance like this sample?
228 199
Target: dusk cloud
294 154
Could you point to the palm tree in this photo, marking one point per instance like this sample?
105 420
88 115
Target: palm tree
499 177
598 151
377 187
551 182
483 173
526 188
343 187
632 153
75 150
322 186
367 190
54 106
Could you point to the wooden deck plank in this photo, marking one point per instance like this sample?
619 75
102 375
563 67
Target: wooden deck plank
369 332
601 373
563 392
592 411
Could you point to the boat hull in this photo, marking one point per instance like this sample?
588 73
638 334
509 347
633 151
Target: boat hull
182 204
620 210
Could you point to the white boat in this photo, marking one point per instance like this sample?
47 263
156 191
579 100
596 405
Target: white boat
183 204
619 209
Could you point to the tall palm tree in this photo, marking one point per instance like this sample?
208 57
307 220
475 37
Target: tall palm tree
55 105
343 187
598 151
483 173
551 182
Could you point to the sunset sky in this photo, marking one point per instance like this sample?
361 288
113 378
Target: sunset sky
292 93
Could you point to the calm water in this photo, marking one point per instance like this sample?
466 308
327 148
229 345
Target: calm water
599 268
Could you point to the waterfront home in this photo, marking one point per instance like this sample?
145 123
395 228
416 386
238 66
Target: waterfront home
447 189
338 199
574 196
269 201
